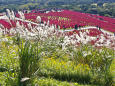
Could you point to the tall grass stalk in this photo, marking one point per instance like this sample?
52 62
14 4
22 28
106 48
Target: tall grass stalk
29 60
99 61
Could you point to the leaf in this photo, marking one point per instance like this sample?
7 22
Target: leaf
2 69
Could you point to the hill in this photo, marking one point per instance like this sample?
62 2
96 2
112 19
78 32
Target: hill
46 48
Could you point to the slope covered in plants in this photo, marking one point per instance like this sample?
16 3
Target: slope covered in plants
39 53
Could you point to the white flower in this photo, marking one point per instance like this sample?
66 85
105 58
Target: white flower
5 39
21 15
85 53
9 13
11 41
13 15
38 19
24 79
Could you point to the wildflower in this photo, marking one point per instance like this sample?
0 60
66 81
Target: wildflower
25 79
5 39
38 19
86 53
76 84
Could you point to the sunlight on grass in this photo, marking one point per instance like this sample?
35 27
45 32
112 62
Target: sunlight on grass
47 64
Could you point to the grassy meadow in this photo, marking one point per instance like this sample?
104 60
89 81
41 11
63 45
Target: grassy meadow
46 63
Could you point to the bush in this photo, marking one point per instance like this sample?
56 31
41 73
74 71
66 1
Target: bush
29 60
99 61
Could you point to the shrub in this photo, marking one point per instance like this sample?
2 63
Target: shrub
29 60
99 61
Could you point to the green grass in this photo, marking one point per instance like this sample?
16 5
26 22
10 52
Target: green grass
28 60
65 71
46 64
53 82
113 69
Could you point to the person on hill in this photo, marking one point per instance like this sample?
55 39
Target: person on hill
76 27
42 22
99 28
79 26
58 27
64 27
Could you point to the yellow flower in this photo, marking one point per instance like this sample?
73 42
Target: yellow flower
76 84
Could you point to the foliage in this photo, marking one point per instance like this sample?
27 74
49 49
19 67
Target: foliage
46 63
8 62
65 70
51 82
29 60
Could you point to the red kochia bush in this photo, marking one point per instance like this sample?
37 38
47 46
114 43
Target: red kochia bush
66 19
5 23
69 19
